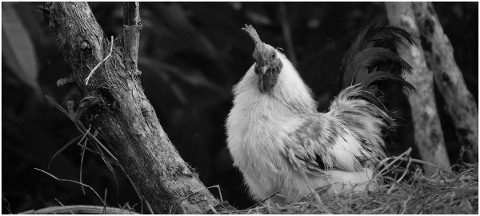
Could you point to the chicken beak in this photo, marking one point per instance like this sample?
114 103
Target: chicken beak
267 78
263 70
263 79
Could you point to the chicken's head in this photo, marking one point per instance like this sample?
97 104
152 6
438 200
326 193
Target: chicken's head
267 63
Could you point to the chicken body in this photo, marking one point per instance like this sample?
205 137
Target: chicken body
265 129
285 148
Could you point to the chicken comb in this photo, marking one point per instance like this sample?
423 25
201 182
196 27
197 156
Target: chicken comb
253 34
259 45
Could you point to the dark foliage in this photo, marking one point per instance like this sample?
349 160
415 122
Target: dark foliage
191 54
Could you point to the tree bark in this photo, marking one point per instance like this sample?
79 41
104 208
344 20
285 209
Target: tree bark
427 128
459 102
122 114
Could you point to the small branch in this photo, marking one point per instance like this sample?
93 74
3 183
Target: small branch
224 208
79 209
213 209
98 65
65 80
131 14
67 180
131 31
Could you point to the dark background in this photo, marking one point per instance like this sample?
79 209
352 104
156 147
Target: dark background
191 54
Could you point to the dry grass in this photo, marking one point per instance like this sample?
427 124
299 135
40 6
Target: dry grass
441 193
405 190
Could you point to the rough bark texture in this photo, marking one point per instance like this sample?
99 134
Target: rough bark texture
459 102
122 114
427 128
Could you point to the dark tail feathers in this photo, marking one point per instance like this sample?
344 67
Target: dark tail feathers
371 62
370 59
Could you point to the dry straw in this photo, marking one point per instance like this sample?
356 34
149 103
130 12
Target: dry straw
405 190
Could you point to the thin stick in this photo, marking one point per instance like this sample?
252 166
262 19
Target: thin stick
67 180
427 163
269 207
406 170
82 155
213 209
101 145
110 160
219 191
395 159
256 204
104 201
98 65
379 173
61 204
78 209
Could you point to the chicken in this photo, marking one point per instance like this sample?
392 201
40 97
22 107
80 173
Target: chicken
285 148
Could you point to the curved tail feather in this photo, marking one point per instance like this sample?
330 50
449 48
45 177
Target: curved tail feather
370 62
370 59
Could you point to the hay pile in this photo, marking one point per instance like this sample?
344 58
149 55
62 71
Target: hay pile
441 193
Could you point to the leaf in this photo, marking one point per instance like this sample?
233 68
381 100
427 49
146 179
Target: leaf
96 145
58 106
63 148
18 50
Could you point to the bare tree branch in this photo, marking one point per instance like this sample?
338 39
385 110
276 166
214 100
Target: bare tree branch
459 102
79 209
427 128
122 114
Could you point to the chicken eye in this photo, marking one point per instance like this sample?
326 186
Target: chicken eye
256 70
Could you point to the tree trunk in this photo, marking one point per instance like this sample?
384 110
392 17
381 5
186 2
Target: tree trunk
119 110
459 103
427 128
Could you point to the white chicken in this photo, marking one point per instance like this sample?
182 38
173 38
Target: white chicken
285 148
